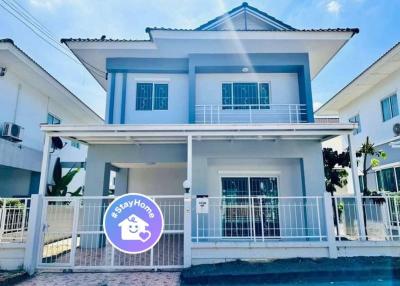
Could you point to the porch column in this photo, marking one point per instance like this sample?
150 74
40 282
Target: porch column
45 165
187 220
356 187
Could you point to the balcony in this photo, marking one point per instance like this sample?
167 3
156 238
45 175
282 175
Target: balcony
250 113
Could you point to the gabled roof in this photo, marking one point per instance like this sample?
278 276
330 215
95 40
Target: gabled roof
368 78
245 8
11 46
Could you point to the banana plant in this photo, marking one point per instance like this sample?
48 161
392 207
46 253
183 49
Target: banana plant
60 186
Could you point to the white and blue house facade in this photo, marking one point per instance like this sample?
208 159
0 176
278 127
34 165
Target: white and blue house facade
226 108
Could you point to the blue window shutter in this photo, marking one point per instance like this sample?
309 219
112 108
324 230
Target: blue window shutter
264 95
385 105
161 96
144 96
394 105
227 95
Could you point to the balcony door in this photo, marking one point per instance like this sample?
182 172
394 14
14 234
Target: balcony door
250 207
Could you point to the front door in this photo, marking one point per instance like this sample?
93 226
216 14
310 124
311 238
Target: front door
250 207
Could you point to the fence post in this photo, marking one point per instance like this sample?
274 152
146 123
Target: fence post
330 228
187 231
357 191
3 218
32 247
187 208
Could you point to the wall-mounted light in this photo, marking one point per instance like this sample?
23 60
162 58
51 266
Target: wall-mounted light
186 186
2 71
245 69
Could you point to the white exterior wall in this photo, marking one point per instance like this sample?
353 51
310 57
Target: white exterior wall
178 89
31 111
157 180
284 87
368 106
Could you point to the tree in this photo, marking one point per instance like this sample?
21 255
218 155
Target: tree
334 176
368 149
60 186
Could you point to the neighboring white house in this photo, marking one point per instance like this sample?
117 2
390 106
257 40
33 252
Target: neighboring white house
372 101
29 97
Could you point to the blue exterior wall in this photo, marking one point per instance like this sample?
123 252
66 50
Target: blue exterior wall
196 64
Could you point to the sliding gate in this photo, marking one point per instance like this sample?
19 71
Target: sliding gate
73 238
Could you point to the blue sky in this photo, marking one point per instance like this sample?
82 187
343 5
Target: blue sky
378 21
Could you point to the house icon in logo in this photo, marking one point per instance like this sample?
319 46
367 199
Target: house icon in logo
134 228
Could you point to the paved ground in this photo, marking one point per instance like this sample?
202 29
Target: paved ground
103 279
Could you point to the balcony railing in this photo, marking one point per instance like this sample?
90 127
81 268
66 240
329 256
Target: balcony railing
251 113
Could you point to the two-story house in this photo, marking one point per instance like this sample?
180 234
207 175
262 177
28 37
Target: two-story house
29 97
227 109
371 101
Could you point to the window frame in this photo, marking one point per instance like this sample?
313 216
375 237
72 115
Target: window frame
252 106
248 175
391 111
53 117
153 89
358 130
395 176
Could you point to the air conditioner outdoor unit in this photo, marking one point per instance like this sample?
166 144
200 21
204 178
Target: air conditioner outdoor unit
12 132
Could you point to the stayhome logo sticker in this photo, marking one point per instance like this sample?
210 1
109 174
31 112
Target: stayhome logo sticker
133 223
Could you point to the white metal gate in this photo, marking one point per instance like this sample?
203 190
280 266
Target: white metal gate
72 236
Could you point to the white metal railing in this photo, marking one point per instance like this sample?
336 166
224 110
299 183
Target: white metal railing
14 215
73 236
250 113
259 218
381 216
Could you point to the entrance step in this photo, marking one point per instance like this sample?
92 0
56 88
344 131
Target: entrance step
293 270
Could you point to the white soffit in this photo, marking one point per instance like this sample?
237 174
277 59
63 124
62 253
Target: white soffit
374 74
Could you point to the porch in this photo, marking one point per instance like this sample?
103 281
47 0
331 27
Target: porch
263 187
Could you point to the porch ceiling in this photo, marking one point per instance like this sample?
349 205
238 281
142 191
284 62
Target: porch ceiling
174 134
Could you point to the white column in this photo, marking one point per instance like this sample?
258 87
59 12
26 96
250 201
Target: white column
330 228
32 249
187 220
356 187
45 165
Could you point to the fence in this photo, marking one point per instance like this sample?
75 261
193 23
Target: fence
381 215
250 113
259 218
14 215
73 236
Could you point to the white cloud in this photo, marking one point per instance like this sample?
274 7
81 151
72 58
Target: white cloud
48 4
53 4
333 7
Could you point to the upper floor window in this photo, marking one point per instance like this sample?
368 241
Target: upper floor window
151 96
388 179
390 107
76 144
356 119
51 119
244 95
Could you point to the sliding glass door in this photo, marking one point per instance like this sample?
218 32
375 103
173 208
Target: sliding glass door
250 207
